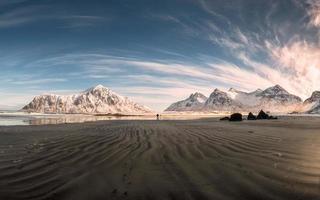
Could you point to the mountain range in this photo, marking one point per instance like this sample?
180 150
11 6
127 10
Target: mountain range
95 100
273 99
102 100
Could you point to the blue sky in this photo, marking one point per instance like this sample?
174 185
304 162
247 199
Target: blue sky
156 52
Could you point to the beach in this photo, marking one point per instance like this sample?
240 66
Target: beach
162 159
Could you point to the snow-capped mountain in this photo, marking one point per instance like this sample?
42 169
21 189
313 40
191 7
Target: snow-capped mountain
194 102
312 104
95 100
244 98
220 101
277 99
273 99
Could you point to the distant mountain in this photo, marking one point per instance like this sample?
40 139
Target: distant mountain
277 99
273 99
220 101
95 100
312 104
192 103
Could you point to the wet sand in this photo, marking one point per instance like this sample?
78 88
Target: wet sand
195 159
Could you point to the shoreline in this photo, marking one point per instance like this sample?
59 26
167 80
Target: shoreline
38 119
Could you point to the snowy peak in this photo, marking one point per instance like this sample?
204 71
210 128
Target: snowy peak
98 89
312 104
315 97
278 95
218 100
98 99
198 97
194 102
232 90
275 90
273 99
217 92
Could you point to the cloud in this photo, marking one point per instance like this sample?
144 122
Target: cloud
240 56
314 12
79 21
24 15
38 81
208 8
15 101
294 65
10 2
300 61
19 16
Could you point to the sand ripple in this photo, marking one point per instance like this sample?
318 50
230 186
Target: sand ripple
200 159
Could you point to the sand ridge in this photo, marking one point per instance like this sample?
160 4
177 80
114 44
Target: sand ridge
195 159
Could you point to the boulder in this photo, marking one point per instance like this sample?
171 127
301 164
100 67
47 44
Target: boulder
235 117
225 119
251 116
272 117
262 115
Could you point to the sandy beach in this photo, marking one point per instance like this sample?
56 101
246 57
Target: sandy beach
185 159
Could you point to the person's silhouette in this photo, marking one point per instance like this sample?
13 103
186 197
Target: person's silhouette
158 116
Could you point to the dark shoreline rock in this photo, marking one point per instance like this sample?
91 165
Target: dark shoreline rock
225 119
236 117
251 116
262 115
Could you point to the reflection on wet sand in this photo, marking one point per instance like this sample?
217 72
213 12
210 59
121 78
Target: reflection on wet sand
10 120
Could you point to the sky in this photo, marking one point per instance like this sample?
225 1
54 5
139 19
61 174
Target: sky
157 52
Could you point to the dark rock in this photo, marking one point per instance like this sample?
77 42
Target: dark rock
251 116
262 115
224 119
272 117
235 117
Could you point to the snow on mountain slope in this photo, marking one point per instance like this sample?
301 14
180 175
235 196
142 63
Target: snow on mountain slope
95 100
192 103
273 99
220 101
244 98
277 99
312 104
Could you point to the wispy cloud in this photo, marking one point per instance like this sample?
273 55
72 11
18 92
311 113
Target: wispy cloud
301 62
207 7
10 2
19 16
24 15
246 56
314 12
38 81
79 21
295 65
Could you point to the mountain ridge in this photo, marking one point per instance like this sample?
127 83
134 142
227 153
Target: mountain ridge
273 99
95 100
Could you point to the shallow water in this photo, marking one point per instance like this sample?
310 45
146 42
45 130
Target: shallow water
17 119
